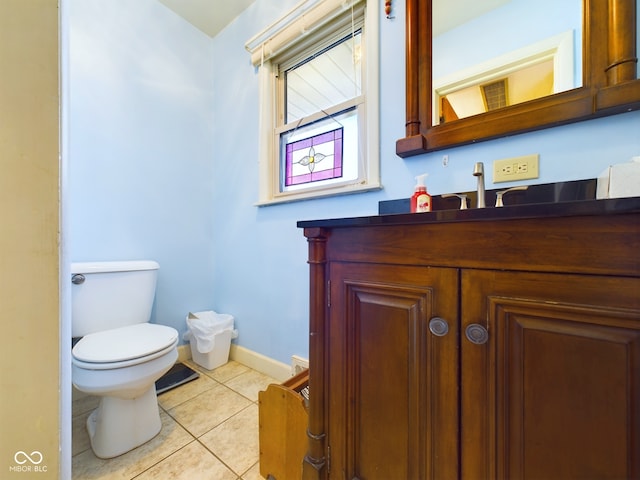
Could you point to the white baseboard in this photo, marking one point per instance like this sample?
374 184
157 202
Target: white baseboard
184 352
261 363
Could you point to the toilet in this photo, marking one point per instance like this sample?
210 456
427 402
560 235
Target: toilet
120 354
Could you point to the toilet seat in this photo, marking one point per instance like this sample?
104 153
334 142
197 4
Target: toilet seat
124 346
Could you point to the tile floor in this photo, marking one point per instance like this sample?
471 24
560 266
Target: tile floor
209 431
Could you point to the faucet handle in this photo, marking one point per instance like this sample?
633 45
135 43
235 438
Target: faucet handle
461 196
501 194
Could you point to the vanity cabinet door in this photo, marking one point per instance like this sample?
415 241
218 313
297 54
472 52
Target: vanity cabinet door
393 399
555 390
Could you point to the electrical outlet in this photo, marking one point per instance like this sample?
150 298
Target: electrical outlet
517 168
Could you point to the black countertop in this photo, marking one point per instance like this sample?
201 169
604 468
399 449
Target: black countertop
523 211
568 191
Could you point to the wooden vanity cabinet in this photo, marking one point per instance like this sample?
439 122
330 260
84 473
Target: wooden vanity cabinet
504 349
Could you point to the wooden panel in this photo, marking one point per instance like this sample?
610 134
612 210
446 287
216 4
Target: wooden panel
598 244
283 439
393 398
553 394
568 384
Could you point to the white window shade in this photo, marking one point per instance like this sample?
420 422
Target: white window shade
304 18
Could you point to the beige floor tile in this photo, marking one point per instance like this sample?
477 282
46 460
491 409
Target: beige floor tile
235 441
250 383
82 402
191 462
185 392
253 473
227 371
209 409
172 437
79 436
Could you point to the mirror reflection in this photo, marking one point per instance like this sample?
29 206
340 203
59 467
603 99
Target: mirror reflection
492 54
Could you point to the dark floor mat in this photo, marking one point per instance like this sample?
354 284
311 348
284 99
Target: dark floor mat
178 375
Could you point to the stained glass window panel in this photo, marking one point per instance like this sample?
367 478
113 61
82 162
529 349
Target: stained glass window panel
314 158
321 153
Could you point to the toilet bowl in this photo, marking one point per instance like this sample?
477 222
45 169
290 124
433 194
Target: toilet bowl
127 415
119 364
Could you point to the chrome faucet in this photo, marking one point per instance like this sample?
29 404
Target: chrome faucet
478 171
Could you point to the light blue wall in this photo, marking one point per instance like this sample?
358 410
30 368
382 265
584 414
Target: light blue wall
157 174
140 146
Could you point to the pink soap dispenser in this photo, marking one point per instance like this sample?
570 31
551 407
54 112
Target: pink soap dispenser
421 200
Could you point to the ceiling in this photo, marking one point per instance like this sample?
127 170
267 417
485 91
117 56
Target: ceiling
210 16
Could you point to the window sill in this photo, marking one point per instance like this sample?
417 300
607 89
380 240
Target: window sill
301 196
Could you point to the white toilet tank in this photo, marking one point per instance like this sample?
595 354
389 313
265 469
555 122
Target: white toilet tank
106 295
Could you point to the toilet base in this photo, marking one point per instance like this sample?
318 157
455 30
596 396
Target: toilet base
119 425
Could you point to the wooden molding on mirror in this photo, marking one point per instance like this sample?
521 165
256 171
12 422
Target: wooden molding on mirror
609 84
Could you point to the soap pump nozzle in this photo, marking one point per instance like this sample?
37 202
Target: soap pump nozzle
420 182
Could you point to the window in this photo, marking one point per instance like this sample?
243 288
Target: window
318 101
314 152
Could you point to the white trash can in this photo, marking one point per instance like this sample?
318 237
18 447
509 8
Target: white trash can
210 335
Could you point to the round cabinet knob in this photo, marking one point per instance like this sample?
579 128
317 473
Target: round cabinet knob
477 334
77 279
439 326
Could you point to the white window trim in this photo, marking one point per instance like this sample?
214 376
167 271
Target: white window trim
308 16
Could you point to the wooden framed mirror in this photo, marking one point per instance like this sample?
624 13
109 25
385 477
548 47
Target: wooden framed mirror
609 85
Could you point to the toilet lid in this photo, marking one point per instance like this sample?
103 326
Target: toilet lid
125 343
